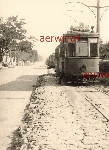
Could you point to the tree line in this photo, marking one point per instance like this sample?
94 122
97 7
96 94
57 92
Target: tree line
13 40
104 51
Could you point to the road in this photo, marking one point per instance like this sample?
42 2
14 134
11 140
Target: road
55 117
16 85
60 117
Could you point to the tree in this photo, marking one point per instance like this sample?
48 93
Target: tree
104 51
33 56
15 42
25 46
25 51
12 31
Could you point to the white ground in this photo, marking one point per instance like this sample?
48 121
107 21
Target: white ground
14 96
62 119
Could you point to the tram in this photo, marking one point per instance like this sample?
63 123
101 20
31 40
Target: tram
51 61
77 56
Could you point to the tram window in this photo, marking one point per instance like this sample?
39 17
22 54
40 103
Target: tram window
82 49
93 49
56 54
71 47
62 52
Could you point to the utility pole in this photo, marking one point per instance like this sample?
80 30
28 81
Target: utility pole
98 24
98 16
98 7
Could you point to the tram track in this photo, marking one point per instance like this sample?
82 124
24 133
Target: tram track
101 90
98 106
88 99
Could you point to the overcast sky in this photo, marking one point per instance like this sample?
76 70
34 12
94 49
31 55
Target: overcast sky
51 18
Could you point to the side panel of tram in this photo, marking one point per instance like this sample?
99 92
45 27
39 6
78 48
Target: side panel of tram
77 66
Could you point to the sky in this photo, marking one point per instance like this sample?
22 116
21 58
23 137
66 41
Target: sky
53 18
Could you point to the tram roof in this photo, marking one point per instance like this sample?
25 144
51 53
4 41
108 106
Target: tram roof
82 34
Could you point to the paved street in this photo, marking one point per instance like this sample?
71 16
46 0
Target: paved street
16 85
